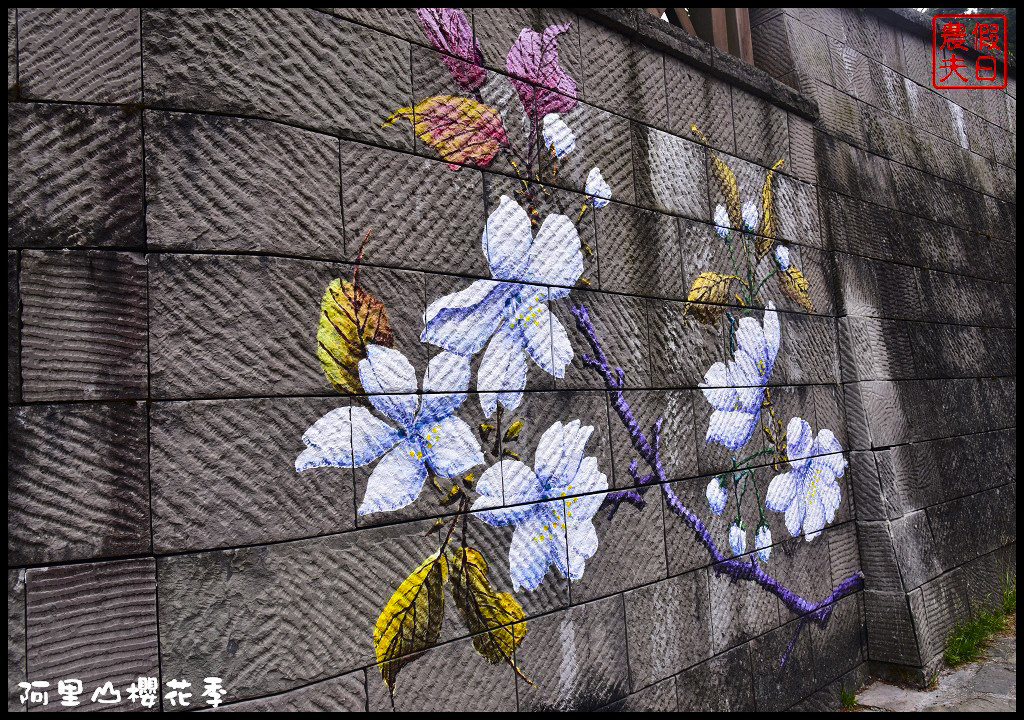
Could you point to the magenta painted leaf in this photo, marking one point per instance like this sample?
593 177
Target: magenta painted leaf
450 32
534 58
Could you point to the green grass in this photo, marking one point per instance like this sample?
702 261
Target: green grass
847 698
971 638
1009 594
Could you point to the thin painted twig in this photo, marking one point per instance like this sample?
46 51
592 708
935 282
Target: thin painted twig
649 449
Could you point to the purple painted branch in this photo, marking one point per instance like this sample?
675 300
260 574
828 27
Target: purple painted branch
650 451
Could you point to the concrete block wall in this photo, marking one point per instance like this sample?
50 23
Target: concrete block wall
184 184
917 193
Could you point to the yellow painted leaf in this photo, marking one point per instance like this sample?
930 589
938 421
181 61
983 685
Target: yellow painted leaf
709 287
495 619
350 319
795 285
460 129
766 233
513 430
726 181
411 621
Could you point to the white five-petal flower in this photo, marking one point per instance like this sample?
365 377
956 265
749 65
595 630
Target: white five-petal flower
506 315
551 505
427 432
736 390
808 493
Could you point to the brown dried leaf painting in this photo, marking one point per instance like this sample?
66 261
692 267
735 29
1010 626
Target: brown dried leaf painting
350 319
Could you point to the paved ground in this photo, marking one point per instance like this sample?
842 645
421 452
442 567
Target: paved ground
989 685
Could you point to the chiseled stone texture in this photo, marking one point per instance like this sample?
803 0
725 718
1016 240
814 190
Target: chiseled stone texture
299 66
74 176
80 54
216 183
77 484
16 669
96 622
223 474
166 268
83 325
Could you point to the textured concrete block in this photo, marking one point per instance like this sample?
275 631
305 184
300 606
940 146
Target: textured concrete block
96 622
891 635
80 54
74 176
682 349
808 351
641 252
621 324
223 473
83 325
739 611
670 176
723 683
654 616
452 677
280 616
576 658
215 183
302 67
762 132
77 482
16 669
13 328
346 693
777 686
623 76
254 318
695 98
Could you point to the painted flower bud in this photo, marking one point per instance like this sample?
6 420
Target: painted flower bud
782 257
721 222
717 495
558 135
597 188
750 215
737 539
763 543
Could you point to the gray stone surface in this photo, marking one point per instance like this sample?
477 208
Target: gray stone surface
80 54
74 176
77 483
653 615
215 183
96 622
247 62
83 325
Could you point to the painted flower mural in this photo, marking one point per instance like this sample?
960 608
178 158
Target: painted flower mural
558 533
425 433
411 432
736 389
508 316
808 494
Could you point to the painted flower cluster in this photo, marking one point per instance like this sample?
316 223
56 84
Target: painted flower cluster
408 430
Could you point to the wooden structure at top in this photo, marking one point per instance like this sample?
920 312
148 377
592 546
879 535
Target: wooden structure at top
728 29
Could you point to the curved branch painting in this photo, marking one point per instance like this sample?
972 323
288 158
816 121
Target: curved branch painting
409 428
